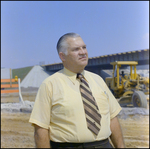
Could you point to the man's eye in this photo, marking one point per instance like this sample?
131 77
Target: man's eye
76 49
84 47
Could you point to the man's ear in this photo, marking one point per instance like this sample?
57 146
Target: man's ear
62 56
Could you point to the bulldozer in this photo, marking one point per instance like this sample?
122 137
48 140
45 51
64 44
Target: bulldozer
128 88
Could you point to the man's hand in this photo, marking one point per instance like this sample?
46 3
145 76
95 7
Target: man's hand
116 136
41 136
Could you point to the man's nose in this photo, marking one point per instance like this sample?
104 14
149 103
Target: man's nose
82 51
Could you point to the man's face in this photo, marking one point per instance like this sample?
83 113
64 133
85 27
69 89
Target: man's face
77 57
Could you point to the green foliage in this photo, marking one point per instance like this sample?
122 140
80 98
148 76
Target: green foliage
21 72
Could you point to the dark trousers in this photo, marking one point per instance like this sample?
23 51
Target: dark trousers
97 144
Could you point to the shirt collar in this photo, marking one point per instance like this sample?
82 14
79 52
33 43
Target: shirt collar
71 75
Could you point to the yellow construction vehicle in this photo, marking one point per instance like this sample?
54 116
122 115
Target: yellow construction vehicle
128 87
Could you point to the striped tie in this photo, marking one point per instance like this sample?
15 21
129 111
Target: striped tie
92 114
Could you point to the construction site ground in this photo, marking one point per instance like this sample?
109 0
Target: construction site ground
17 132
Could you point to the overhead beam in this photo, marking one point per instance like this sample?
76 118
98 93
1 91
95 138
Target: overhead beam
142 56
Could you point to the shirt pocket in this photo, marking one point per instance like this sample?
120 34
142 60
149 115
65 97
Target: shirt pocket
102 102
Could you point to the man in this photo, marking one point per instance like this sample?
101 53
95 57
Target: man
61 114
122 73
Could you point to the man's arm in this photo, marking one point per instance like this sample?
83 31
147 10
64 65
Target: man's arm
116 136
41 136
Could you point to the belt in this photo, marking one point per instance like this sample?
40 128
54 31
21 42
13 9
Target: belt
68 144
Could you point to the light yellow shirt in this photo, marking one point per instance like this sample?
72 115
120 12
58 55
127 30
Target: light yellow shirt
59 107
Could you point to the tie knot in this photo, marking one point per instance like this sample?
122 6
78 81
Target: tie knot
79 76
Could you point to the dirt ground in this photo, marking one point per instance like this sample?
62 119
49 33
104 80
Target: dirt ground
17 132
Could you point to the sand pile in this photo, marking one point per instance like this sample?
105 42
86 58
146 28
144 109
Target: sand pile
35 77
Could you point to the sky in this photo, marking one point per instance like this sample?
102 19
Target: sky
30 29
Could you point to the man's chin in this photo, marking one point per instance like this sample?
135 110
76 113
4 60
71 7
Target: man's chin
83 63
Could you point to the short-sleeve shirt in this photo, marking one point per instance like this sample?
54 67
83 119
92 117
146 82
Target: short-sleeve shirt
59 107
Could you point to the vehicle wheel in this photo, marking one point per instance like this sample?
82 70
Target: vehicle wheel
139 99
